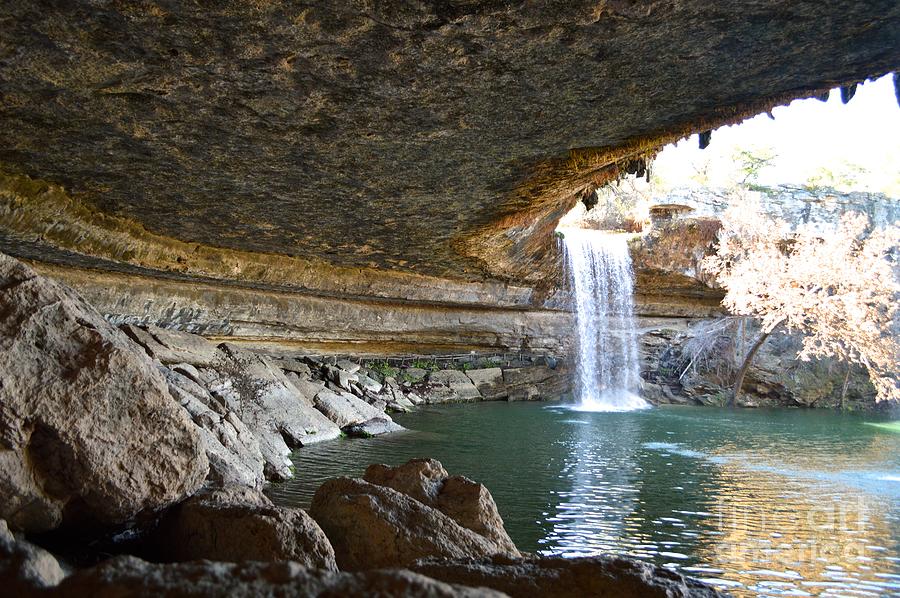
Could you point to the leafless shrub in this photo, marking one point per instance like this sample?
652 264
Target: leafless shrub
248 389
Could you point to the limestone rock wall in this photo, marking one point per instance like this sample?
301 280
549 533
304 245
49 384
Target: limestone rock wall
318 323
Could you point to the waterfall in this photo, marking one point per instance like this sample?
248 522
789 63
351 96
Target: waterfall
608 367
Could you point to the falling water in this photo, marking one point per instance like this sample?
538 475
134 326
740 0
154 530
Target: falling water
608 368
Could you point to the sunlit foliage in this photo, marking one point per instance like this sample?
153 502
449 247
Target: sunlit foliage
838 287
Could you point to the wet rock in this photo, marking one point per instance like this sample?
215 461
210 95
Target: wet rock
237 523
373 526
567 578
525 393
536 382
25 568
451 385
88 429
172 346
489 382
130 576
468 503
373 427
344 409
527 375
233 452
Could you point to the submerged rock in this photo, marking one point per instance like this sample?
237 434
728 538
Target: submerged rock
25 568
237 523
373 427
88 429
567 578
130 576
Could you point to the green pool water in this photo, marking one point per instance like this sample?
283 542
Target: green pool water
758 502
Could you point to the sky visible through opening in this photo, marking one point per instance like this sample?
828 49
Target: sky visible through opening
854 146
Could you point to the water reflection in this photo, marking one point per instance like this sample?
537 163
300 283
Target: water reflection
603 479
763 503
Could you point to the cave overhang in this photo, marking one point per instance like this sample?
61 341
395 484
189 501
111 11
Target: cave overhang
281 143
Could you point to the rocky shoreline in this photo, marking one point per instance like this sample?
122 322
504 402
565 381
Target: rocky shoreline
252 408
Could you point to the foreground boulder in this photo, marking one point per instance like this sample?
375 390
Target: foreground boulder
468 503
567 578
129 576
392 525
25 568
88 430
238 523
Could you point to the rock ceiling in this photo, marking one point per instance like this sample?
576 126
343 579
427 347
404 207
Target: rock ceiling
439 137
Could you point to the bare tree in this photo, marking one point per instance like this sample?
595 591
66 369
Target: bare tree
839 288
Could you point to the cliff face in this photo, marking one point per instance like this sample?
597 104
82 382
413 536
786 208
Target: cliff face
694 358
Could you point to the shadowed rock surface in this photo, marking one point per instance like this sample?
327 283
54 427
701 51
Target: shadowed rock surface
441 138
233 452
372 526
567 578
24 568
271 406
78 399
468 503
129 576
240 524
